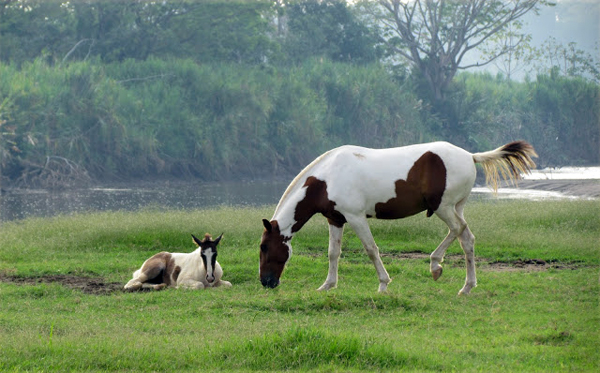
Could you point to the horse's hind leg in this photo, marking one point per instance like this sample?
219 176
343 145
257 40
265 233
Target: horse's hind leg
467 242
145 274
154 286
437 257
450 216
453 217
137 282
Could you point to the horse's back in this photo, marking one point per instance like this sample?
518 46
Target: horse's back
359 178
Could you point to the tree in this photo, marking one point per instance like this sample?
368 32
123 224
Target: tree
435 35
519 52
324 28
556 58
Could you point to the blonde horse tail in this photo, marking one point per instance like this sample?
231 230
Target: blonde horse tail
509 161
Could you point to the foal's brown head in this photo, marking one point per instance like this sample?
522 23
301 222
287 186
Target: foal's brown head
275 250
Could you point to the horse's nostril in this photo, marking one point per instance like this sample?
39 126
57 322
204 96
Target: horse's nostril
269 282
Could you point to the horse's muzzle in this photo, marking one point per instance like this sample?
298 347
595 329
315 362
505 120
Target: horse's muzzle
269 282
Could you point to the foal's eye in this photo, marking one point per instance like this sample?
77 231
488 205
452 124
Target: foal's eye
264 248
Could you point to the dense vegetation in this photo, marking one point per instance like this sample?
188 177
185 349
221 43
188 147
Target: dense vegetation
138 91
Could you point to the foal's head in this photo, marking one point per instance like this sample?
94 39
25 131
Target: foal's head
208 252
275 250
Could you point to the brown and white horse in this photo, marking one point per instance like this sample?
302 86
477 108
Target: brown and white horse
350 184
196 270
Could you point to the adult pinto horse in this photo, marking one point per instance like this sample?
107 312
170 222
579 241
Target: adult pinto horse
350 184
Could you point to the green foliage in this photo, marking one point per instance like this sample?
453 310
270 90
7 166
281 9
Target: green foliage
326 29
558 115
178 118
207 31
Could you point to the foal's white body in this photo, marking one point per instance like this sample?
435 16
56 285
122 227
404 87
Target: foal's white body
179 270
360 179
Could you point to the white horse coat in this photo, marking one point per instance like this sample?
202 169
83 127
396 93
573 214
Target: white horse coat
350 184
196 270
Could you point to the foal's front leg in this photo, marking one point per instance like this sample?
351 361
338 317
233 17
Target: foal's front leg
334 251
190 284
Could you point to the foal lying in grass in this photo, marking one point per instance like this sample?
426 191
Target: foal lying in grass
196 270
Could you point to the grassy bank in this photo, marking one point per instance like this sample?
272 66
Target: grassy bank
535 309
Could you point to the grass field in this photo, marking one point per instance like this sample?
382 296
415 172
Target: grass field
536 307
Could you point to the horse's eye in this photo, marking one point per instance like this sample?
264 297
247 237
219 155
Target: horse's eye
264 248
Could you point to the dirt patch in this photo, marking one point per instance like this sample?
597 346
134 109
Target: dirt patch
95 286
485 264
527 265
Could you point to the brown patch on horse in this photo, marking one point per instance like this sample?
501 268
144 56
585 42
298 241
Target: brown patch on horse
422 190
176 273
159 269
315 201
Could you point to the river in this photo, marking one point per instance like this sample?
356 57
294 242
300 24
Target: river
19 204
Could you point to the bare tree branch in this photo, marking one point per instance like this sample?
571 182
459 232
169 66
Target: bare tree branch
435 35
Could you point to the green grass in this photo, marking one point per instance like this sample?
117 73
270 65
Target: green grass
518 320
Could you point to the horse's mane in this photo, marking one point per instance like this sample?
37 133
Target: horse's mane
298 177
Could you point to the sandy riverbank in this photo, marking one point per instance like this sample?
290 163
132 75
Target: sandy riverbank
588 188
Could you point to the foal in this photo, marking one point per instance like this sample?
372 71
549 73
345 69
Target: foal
196 270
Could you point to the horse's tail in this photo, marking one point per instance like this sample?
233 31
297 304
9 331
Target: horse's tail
510 161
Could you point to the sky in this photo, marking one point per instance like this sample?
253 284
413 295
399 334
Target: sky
569 21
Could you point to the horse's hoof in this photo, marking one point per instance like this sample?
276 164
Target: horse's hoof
466 289
437 273
326 287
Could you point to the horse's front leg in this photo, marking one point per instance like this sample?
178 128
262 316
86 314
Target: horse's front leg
334 252
190 284
222 283
361 227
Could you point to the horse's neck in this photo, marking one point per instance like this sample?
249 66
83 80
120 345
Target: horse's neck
285 213
193 258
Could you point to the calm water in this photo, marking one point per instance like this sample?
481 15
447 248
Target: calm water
20 204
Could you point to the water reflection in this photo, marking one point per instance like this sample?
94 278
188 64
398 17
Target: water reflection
20 204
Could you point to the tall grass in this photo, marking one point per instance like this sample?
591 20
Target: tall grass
517 320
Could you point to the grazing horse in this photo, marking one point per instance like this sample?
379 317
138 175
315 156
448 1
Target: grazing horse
196 270
350 184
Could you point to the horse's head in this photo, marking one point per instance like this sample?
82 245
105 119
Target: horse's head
208 253
275 250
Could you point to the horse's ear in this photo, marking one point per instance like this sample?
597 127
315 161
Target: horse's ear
218 239
267 225
196 241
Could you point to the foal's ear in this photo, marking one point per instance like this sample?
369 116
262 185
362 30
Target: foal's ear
267 225
196 241
218 239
